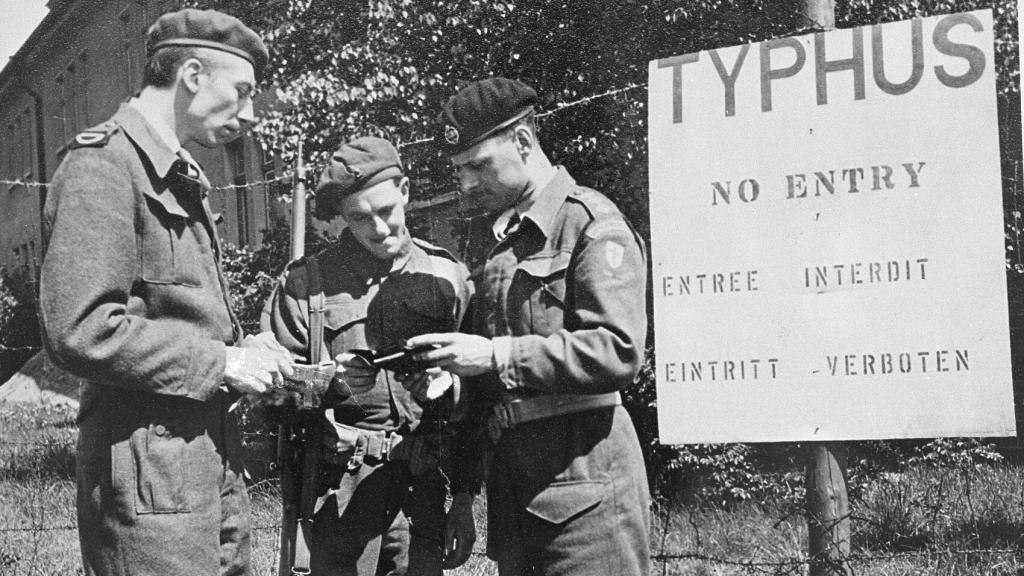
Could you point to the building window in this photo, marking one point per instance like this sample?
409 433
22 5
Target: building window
236 155
70 101
62 107
26 143
128 55
81 93
11 153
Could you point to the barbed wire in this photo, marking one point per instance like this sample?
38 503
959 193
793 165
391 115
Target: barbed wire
25 183
285 176
288 175
778 567
557 109
20 348
749 564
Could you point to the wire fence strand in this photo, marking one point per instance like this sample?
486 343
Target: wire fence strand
671 546
288 175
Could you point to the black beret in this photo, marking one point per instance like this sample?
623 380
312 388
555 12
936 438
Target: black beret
481 109
207 29
356 166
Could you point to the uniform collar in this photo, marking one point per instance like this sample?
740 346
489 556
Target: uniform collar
360 261
159 145
542 206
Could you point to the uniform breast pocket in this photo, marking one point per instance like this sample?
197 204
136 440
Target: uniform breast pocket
344 324
538 292
171 253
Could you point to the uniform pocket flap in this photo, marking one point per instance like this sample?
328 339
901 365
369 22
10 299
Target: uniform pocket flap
342 311
561 501
546 264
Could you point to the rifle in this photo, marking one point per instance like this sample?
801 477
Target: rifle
298 450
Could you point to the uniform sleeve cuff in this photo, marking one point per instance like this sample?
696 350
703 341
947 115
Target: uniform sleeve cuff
209 359
502 364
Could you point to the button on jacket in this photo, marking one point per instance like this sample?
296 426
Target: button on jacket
133 300
563 298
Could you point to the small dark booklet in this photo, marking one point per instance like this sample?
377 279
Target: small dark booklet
397 358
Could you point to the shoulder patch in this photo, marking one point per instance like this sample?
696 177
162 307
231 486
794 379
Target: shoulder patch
434 250
96 137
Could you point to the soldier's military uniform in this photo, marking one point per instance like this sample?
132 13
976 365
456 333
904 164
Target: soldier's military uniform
382 493
133 299
562 296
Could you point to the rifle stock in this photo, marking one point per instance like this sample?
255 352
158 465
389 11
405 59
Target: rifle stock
289 438
289 498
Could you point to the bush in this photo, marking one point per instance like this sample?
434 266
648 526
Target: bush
723 475
251 275
19 325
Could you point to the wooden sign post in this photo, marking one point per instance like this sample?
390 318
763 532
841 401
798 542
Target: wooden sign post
826 502
826 267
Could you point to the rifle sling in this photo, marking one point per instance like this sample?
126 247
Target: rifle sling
311 452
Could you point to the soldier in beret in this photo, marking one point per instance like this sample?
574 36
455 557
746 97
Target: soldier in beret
559 324
382 493
133 299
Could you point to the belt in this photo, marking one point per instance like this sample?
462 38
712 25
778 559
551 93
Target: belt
356 444
512 411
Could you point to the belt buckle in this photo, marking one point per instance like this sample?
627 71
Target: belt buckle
386 445
507 413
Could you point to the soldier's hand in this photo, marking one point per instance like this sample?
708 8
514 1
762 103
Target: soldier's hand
264 341
255 371
428 385
354 375
459 531
462 354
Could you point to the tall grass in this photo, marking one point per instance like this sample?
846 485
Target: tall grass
965 520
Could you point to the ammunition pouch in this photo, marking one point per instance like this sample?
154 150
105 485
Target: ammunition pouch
349 447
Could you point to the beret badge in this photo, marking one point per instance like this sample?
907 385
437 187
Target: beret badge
451 134
480 110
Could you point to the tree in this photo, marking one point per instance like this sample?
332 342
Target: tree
339 69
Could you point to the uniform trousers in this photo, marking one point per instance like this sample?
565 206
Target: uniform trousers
568 496
378 519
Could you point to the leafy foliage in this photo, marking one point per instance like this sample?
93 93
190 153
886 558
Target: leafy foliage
345 68
18 324
19 327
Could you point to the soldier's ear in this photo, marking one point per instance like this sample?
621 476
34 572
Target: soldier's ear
190 72
404 187
524 140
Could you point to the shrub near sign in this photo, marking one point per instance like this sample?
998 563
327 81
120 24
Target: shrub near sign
827 246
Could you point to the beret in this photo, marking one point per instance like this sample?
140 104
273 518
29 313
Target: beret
207 29
481 109
356 166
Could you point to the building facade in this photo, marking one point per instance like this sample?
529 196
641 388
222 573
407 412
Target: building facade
81 62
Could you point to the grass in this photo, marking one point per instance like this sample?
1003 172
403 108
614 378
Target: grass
933 521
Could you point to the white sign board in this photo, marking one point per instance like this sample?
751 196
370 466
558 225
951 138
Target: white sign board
827 225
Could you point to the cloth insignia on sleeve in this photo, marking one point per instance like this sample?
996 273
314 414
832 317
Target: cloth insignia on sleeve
613 253
93 137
